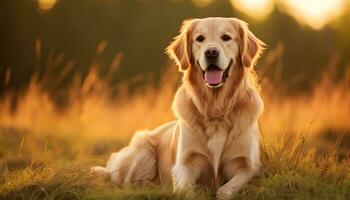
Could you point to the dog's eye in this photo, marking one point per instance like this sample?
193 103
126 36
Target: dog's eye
200 38
225 37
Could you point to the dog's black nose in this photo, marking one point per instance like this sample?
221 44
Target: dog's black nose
212 53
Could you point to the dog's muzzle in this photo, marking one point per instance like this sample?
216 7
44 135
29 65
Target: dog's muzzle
214 76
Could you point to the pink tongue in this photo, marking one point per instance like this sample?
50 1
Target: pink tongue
213 76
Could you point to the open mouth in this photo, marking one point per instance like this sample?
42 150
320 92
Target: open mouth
214 76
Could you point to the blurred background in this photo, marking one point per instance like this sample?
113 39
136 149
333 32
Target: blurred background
311 33
86 70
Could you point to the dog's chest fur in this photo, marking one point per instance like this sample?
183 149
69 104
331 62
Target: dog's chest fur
217 133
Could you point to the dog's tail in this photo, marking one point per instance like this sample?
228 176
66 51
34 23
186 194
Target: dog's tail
99 171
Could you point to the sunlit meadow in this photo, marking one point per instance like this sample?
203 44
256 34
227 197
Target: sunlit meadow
301 133
52 131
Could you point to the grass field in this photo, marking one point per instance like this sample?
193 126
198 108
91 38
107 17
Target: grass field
46 151
41 170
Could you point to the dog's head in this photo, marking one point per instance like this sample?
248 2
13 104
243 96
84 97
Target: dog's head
215 45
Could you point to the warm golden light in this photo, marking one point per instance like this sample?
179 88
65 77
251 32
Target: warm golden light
46 4
201 3
314 13
257 9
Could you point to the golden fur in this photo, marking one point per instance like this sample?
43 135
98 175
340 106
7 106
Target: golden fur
215 140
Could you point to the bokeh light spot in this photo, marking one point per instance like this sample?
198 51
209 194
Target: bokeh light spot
257 9
46 5
201 3
314 13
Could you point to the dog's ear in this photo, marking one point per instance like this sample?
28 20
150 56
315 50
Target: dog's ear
250 47
180 49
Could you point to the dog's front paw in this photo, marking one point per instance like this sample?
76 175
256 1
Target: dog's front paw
224 193
183 187
183 179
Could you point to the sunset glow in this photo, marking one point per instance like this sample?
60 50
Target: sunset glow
314 13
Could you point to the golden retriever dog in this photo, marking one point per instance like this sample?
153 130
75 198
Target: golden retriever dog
215 140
